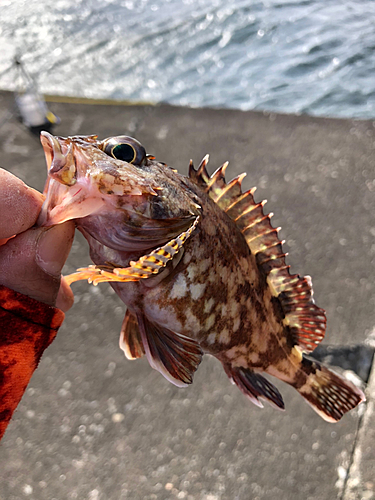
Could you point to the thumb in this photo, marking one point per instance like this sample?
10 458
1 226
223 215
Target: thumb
31 263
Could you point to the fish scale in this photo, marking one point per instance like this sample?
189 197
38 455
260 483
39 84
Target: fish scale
199 266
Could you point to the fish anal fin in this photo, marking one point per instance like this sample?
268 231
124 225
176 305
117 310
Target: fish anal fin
175 356
130 337
255 386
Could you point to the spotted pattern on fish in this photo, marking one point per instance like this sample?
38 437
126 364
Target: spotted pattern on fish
237 304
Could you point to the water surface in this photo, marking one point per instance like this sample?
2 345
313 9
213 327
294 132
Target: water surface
288 56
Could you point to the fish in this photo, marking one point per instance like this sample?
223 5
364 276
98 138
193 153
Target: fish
199 266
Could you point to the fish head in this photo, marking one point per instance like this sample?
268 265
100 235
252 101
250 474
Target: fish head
114 191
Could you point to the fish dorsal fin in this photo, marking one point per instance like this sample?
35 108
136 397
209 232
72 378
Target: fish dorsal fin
305 320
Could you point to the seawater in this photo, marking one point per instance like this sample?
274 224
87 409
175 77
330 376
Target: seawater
292 56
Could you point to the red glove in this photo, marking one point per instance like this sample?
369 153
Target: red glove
31 260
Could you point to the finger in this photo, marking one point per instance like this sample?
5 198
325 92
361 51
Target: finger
19 205
31 262
65 297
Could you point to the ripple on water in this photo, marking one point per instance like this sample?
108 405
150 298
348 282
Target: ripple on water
294 56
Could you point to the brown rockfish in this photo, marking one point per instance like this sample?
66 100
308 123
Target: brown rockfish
199 267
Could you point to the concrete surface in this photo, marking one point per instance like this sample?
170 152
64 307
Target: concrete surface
95 426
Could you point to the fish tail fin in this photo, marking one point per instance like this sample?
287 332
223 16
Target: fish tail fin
329 394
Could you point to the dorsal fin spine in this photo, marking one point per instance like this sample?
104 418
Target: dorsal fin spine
192 171
202 167
251 208
273 245
220 172
257 221
242 196
236 182
272 257
257 236
216 182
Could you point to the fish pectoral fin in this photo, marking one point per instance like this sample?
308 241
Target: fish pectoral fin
255 386
145 267
130 337
175 356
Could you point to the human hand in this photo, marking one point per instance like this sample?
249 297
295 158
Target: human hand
31 258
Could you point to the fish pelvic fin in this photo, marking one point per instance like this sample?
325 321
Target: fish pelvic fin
130 337
304 321
329 394
255 386
175 356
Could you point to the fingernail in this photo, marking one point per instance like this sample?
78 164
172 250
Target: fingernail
53 248
65 297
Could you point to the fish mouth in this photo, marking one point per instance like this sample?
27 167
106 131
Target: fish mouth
66 199
48 144
59 158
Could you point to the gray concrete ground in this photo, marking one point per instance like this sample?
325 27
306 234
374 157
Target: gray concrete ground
95 426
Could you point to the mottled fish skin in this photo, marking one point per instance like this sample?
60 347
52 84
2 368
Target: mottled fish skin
199 267
218 296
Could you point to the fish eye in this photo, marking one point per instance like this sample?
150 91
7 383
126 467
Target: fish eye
124 152
125 148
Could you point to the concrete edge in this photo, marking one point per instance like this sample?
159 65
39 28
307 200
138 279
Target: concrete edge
355 487
66 99
87 100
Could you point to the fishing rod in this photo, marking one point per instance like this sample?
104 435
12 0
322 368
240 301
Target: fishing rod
29 105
